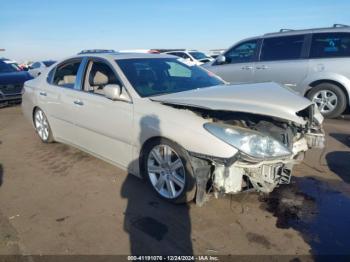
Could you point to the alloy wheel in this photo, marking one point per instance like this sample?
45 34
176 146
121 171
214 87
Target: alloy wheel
41 125
325 100
166 171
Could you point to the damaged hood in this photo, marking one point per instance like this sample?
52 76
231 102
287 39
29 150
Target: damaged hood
269 99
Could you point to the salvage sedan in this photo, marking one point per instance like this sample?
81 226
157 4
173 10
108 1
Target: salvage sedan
183 129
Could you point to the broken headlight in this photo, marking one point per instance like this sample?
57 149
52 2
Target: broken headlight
250 142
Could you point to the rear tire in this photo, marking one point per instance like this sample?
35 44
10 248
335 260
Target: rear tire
329 98
168 170
42 126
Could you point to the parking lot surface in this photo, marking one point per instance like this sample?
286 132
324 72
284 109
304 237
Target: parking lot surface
55 199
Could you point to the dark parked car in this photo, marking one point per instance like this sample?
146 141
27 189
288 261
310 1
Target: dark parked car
11 81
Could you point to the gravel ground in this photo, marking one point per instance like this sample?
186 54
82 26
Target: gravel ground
55 199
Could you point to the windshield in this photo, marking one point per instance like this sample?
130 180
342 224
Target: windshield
8 68
199 55
156 76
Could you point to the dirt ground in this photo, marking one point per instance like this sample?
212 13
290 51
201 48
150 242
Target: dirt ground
55 199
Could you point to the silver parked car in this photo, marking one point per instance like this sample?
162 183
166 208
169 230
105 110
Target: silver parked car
173 123
314 62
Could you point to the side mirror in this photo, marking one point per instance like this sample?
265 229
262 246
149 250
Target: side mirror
221 59
116 92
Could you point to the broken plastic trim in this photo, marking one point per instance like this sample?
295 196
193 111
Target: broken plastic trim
220 160
202 172
202 168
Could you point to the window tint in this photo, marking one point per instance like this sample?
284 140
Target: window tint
282 48
66 74
244 52
98 77
330 45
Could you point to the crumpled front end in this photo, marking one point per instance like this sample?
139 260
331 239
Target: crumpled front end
243 172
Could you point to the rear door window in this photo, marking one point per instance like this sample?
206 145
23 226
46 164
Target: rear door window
330 45
66 74
282 48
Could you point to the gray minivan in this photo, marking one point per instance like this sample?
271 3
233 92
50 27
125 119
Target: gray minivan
314 62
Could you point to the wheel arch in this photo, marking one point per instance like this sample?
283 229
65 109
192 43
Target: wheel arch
329 81
197 188
33 112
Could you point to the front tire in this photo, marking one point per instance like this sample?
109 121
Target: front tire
42 126
329 98
168 170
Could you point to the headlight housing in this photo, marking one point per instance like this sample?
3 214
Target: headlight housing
250 142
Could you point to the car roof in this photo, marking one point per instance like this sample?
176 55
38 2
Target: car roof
289 32
334 29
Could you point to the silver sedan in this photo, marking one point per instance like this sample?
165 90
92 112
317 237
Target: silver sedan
183 129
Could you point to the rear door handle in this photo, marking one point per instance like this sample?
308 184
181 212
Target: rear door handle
78 102
43 93
263 67
246 67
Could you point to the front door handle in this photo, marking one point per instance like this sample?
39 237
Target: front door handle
43 93
78 102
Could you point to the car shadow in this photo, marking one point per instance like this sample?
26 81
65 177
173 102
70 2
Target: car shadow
1 174
339 163
343 138
155 226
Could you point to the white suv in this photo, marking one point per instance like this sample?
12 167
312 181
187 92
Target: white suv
196 57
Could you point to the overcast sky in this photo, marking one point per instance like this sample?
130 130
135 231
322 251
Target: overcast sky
39 29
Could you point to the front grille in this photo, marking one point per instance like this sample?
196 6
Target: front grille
11 89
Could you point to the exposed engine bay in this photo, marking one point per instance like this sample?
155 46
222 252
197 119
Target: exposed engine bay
243 172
